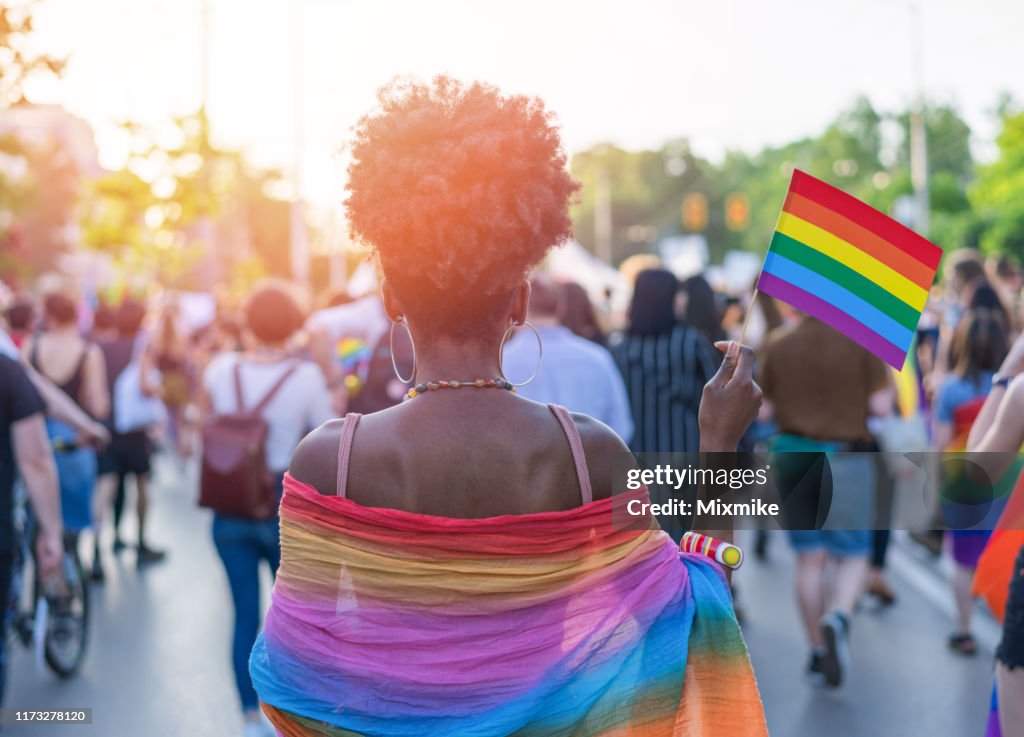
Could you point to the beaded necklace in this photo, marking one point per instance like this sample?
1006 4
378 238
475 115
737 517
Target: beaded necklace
433 386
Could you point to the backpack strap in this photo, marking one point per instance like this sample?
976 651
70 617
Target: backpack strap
345 450
239 399
262 404
33 357
579 459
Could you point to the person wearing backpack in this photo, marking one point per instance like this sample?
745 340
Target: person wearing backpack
257 405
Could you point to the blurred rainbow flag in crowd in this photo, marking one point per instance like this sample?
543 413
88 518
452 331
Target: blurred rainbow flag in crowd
353 355
351 352
850 266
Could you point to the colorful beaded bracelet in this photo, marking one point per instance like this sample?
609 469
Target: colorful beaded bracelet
433 386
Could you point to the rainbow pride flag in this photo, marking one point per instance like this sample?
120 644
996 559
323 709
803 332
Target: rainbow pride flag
556 624
850 266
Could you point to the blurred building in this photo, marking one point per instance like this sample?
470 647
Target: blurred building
51 126
47 152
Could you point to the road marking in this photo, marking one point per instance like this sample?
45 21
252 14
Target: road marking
930 583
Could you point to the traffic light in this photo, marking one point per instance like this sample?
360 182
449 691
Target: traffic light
737 211
695 212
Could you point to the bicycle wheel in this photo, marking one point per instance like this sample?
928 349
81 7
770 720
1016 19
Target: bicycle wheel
67 627
18 622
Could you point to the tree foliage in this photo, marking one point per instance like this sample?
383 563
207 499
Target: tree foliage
36 182
863 151
185 211
998 192
19 62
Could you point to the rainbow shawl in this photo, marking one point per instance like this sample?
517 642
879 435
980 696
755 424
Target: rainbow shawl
397 624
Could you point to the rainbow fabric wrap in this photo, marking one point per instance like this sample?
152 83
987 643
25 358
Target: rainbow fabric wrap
391 623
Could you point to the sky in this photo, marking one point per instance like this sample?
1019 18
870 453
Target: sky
725 74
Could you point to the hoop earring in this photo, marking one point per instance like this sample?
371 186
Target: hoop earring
391 345
501 352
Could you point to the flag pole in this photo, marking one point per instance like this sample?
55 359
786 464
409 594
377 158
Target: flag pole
753 298
746 320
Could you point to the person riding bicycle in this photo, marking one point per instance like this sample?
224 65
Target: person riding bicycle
24 446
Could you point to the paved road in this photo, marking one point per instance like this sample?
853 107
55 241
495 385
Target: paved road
904 681
159 666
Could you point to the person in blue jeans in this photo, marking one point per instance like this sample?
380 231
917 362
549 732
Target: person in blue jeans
299 404
243 545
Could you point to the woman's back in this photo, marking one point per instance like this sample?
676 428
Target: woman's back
61 359
76 367
551 621
432 455
73 364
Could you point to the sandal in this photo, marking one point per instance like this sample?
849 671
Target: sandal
963 643
880 589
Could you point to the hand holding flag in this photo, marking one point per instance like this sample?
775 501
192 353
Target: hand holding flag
730 400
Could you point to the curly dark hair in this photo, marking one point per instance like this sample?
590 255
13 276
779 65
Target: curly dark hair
461 191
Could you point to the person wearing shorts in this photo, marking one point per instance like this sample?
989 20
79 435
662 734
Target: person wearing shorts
836 543
820 388
128 454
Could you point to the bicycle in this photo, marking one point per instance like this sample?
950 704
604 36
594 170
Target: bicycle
56 621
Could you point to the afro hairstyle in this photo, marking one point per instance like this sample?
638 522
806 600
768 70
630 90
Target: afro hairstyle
460 190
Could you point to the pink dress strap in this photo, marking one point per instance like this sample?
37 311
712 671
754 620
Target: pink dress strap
576 446
345 450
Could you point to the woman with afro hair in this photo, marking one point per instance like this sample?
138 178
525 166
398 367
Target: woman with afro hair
463 563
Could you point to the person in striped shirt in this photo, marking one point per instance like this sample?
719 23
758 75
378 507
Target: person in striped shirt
664 365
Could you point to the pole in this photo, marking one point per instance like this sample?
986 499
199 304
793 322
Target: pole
297 220
214 267
338 255
603 210
918 130
204 59
746 320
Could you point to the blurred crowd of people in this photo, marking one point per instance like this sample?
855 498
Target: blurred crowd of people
115 382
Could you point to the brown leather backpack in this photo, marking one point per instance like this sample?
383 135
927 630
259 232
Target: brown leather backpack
234 479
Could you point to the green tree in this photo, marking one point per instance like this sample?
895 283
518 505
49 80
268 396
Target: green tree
18 61
847 154
646 193
188 214
33 180
998 191
13 193
856 152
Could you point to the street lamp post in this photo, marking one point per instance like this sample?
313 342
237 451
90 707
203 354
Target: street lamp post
603 226
918 131
297 220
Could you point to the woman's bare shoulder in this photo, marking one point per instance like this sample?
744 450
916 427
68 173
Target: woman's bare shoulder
315 461
608 457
